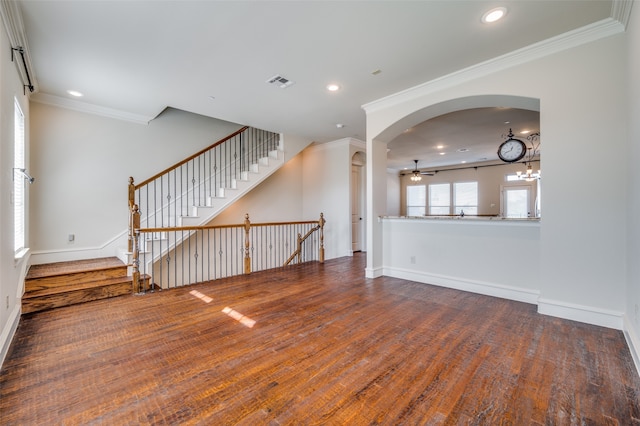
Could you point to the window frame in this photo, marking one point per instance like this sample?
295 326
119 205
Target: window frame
19 192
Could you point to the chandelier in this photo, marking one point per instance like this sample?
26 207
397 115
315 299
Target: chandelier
415 176
529 175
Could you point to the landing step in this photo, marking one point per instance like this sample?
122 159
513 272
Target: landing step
74 272
57 268
61 284
78 287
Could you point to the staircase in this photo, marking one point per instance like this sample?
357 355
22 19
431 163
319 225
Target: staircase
195 190
60 284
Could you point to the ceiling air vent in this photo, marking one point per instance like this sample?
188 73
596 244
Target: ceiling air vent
280 81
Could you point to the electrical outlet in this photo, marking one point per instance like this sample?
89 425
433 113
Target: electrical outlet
413 260
72 238
7 302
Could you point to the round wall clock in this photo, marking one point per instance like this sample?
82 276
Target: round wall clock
512 150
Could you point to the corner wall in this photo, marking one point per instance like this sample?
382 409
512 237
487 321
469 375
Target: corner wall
632 308
12 270
327 189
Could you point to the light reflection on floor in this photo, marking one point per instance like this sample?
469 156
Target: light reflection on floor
246 321
203 297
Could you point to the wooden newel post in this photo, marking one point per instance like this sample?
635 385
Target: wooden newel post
321 223
135 223
247 258
131 197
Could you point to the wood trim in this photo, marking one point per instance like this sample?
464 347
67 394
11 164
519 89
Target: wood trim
240 225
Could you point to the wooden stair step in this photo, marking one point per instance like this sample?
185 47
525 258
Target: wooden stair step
77 286
118 287
61 284
58 300
65 273
57 268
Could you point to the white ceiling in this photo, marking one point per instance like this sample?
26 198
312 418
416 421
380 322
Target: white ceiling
214 57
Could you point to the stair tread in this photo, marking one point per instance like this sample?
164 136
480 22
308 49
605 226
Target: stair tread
76 266
76 286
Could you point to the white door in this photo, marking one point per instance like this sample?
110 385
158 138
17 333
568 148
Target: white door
356 209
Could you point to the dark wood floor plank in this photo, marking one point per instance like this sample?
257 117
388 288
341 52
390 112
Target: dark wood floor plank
328 347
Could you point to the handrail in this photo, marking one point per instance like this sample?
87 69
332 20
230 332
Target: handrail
186 160
197 228
299 244
202 236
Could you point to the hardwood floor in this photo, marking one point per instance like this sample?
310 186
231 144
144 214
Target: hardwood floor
315 345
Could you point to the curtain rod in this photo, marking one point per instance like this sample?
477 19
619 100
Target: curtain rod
26 69
453 168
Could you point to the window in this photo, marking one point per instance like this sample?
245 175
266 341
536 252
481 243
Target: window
464 195
465 198
416 200
439 198
18 180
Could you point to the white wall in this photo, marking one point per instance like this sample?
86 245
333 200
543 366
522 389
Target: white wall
583 121
393 193
91 158
11 270
492 257
632 308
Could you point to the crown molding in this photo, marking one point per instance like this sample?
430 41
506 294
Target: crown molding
621 11
74 105
348 141
14 26
589 33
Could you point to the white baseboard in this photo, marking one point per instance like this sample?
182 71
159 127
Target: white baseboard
580 313
9 331
472 286
633 341
110 248
373 272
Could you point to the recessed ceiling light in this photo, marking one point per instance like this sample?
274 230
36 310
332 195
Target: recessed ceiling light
333 87
463 161
75 93
442 153
439 146
524 132
494 14
339 125
463 149
376 72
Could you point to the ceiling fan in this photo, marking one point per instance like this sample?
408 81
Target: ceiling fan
416 175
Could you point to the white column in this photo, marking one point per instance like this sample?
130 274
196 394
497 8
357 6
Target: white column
376 204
